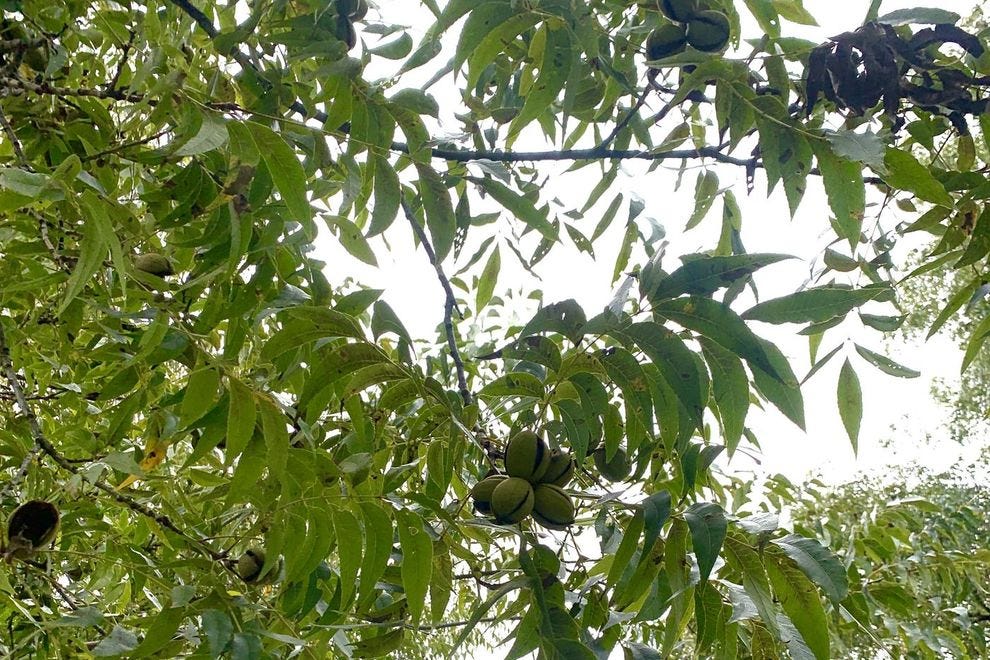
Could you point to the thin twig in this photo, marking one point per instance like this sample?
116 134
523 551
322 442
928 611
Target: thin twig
12 136
123 61
42 445
450 303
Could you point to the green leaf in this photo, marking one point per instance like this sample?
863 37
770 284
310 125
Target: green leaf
794 11
417 561
348 534
705 191
746 561
783 394
630 540
518 383
273 424
488 279
92 252
906 173
219 631
394 50
285 169
492 44
518 206
387 197
565 317
814 305
885 364
730 389
119 641
850 397
482 609
438 208
200 394
919 15
378 536
555 69
840 262
160 632
212 134
353 240
845 189
799 600
708 527
250 466
720 324
483 19
883 323
705 275
676 364
817 562
442 584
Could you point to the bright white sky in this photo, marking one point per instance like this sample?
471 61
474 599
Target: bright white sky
897 409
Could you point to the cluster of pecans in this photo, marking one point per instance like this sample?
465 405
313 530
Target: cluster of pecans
531 486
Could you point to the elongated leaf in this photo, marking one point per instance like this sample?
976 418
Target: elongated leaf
92 251
565 317
720 324
705 275
518 383
746 561
417 561
630 540
201 393
555 68
348 533
885 364
786 397
814 305
378 536
883 323
850 397
676 363
488 279
904 172
386 197
800 601
285 169
846 192
483 609
708 526
438 208
730 388
817 562
273 423
518 206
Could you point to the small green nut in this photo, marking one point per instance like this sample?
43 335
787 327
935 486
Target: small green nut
665 41
709 31
616 469
552 507
512 500
481 494
527 456
153 264
681 11
560 470
250 564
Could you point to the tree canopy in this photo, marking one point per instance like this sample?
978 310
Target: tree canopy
211 448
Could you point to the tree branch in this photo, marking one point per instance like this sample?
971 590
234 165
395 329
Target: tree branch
14 142
450 302
44 446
